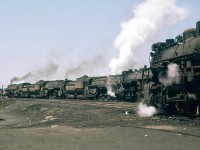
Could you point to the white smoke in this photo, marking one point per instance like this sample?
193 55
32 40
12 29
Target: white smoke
149 17
146 111
173 71
173 75
110 92
109 87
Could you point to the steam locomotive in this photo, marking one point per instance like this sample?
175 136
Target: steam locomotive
171 83
175 65
127 86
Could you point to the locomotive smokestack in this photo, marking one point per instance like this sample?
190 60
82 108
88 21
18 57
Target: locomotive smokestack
198 27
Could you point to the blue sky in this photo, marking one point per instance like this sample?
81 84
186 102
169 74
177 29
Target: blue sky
70 33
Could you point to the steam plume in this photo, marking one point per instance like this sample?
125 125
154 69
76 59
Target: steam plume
47 71
149 17
146 111
172 75
109 87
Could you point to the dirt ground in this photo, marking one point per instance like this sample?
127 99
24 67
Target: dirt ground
80 124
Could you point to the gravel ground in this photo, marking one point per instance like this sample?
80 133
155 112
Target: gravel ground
81 124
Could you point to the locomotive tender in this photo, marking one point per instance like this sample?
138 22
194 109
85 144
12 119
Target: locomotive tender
172 82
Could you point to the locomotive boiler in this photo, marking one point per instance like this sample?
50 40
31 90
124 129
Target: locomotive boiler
17 90
11 90
37 90
175 65
132 84
77 89
55 89
97 89
87 88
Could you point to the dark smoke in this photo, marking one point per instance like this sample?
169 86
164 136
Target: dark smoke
86 66
18 79
47 71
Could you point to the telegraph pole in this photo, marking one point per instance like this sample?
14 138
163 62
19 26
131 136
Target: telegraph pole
1 91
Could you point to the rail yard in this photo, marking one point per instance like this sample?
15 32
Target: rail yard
155 107
88 124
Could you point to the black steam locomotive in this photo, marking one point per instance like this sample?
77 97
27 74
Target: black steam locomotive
175 65
128 86
172 82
